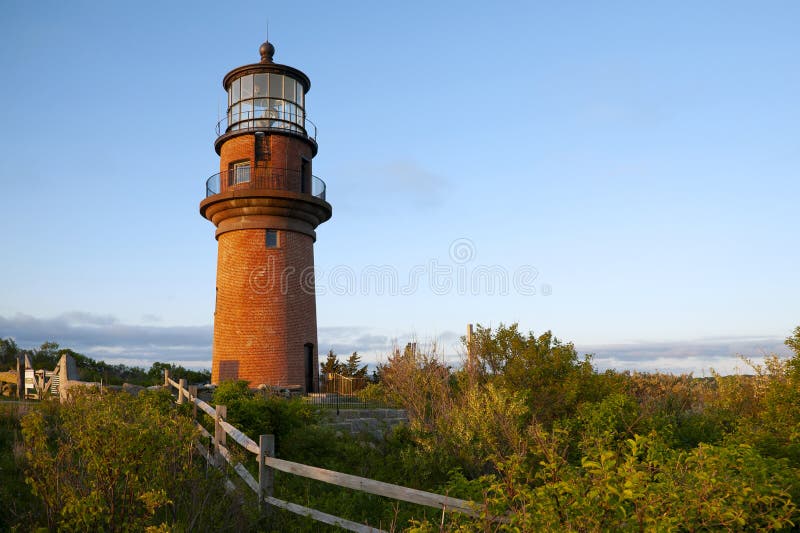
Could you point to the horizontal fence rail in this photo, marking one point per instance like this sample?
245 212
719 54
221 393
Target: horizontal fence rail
371 486
265 453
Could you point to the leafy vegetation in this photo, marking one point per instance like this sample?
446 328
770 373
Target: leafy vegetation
530 431
115 462
562 447
263 413
19 506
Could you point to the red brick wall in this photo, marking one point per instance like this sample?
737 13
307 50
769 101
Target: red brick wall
279 151
265 313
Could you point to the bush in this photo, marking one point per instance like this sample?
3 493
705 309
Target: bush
20 508
114 462
260 413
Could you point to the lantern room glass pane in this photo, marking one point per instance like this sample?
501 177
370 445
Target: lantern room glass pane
276 112
266 100
260 107
260 85
288 89
247 86
247 109
275 86
235 91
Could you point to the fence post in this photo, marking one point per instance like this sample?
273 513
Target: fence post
266 445
181 387
193 397
220 412
166 377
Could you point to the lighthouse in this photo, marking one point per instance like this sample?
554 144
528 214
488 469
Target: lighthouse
266 204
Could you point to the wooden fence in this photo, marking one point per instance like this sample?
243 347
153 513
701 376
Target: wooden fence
264 450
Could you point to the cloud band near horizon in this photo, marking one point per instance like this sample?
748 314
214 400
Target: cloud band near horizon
104 337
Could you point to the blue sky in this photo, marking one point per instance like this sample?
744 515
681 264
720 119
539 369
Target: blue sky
630 169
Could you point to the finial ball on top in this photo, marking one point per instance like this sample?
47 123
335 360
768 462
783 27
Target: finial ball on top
267 51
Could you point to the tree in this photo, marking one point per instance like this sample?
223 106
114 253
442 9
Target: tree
8 354
46 357
352 368
156 373
332 365
548 373
793 343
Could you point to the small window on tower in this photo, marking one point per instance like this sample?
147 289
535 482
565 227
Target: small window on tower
241 172
272 238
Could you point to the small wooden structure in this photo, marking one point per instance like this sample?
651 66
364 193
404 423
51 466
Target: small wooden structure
36 384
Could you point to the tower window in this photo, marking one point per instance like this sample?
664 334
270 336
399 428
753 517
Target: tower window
241 172
272 238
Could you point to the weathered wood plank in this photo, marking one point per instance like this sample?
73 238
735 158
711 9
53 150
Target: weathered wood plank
203 451
203 431
240 469
322 517
245 441
374 487
173 383
205 407
246 476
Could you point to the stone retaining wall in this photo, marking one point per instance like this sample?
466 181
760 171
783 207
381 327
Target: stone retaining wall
374 422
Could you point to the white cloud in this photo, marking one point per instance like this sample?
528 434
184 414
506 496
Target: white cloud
700 356
104 337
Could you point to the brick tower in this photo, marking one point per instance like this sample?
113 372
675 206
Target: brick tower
265 204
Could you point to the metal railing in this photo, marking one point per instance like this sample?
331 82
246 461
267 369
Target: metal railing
279 179
342 392
268 119
341 384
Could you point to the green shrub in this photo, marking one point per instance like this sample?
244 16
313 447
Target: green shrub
260 413
114 462
20 507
